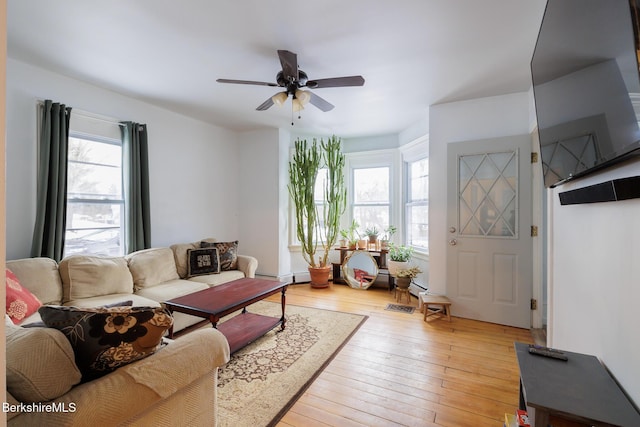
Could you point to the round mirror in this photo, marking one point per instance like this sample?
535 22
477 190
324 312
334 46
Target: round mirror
360 269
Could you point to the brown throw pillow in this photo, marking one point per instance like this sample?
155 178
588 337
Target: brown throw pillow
227 251
103 339
203 261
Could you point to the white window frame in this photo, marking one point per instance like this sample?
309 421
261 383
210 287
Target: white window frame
102 130
412 152
372 159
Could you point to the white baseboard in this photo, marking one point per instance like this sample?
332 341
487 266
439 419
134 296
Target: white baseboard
301 277
285 278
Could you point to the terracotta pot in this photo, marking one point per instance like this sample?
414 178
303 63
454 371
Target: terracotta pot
373 239
403 282
362 244
320 276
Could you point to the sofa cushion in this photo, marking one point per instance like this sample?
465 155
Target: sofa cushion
104 339
85 276
172 289
40 275
40 364
112 299
151 267
20 303
227 251
180 257
218 279
203 261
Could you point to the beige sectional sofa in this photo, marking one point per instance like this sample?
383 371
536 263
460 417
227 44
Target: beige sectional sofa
174 386
147 277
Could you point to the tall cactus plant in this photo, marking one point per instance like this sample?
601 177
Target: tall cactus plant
335 193
303 172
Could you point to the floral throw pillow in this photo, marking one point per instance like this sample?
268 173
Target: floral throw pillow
227 252
20 303
104 339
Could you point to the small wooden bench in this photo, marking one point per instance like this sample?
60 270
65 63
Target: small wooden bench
441 302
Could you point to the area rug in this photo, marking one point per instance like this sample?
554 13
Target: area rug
401 308
263 380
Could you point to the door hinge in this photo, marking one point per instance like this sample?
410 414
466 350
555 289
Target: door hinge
534 157
534 304
534 231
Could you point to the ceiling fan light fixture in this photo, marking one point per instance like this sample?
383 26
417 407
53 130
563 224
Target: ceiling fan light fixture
297 105
280 98
304 96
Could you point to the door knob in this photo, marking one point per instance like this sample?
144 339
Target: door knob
453 242
452 229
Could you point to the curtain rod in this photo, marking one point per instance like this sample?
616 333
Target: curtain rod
88 115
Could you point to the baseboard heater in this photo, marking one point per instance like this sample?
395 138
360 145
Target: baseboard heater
301 277
414 288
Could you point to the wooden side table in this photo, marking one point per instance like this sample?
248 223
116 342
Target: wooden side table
580 389
442 303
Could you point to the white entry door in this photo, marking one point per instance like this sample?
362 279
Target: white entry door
489 255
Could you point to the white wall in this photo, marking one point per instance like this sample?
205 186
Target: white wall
594 278
263 200
194 166
416 131
455 122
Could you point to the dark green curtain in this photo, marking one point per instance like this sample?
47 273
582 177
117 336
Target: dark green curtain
51 205
135 161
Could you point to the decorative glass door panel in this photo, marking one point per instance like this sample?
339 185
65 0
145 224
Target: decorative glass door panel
488 194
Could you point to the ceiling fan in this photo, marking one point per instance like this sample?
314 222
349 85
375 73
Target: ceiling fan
293 80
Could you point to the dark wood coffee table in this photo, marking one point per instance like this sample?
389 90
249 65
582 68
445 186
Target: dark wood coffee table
219 301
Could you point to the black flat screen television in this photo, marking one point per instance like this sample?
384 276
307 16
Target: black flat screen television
585 81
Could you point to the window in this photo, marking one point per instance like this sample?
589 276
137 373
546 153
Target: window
371 197
95 203
417 203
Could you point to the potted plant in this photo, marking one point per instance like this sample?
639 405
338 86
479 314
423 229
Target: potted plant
399 257
372 233
362 243
388 232
303 171
351 234
404 276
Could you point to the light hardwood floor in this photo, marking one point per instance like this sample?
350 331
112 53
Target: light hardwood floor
398 370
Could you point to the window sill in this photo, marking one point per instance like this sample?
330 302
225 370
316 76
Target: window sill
421 255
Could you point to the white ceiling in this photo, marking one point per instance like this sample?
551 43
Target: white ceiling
412 54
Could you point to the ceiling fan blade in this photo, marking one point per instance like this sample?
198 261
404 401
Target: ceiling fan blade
289 62
246 82
320 102
336 82
265 105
